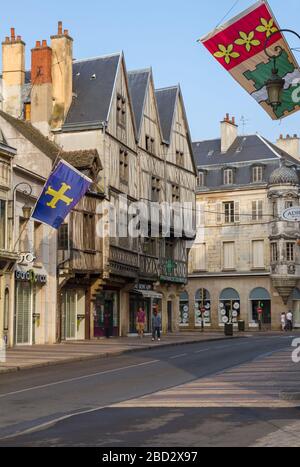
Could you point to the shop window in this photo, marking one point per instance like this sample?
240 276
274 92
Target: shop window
229 307
184 309
202 307
260 306
2 224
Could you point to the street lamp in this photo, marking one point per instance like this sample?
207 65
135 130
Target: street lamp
275 84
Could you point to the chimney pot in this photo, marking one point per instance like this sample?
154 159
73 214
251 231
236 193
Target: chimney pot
227 118
19 38
44 43
60 28
13 34
233 120
295 135
66 32
288 136
281 137
7 39
38 44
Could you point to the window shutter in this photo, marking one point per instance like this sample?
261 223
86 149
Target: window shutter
258 254
236 211
219 213
254 211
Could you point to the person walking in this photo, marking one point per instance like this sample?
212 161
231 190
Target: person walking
283 321
289 321
141 322
156 325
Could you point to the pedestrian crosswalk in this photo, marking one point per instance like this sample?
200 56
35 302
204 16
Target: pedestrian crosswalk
255 384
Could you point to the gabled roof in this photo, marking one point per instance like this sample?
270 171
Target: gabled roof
166 103
93 86
138 84
252 148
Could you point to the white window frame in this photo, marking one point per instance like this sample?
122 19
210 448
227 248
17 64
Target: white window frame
257 174
228 177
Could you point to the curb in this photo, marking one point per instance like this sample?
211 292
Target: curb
104 355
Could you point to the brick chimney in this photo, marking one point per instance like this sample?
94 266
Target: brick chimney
229 133
41 79
290 144
13 71
62 75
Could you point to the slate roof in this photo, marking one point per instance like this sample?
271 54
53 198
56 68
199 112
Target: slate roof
33 135
93 85
166 104
138 83
79 159
82 159
242 155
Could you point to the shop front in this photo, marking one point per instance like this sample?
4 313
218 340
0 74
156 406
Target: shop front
107 314
295 300
28 297
143 296
73 314
229 307
260 304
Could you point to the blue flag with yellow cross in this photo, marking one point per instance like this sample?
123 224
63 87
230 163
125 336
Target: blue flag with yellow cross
62 192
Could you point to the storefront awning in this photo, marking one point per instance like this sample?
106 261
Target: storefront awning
148 294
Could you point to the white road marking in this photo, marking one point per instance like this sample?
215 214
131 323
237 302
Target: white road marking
203 350
179 356
80 378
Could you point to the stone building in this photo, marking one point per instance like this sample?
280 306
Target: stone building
134 142
245 259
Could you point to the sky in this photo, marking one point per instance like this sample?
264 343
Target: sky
162 34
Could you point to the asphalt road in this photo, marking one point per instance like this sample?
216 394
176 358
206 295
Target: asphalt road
98 403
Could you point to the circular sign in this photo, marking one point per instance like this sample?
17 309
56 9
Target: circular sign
291 214
185 308
207 314
236 306
223 312
225 319
234 314
221 305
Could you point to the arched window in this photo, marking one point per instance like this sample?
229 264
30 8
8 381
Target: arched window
202 307
184 309
260 306
229 306
6 310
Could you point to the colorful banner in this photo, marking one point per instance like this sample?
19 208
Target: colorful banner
239 46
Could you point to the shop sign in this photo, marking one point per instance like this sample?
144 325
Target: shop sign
31 276
145 287
291 215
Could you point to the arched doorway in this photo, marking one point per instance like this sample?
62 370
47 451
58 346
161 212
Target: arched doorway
202 307
184 310
230 306
260 304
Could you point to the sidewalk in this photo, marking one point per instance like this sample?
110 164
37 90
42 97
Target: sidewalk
22 358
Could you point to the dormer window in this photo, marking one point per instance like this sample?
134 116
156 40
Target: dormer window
228 177
201 179
257 174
